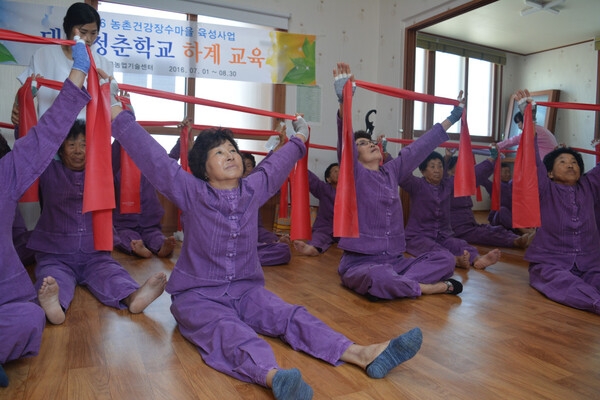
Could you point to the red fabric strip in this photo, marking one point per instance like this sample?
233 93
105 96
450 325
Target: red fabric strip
183 145
195 100
321 146
405 94
345 215
526 200
300 227
27 120
571 106
129 200
496 186
479 197
159 123
13 36
98 193
464 177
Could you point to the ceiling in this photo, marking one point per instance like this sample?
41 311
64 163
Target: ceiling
500 26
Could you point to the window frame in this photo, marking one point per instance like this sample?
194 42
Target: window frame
278 103
429 75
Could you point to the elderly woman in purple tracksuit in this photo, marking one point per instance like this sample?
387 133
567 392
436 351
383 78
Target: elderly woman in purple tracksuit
374 264
564 257
217 285
139 233
21 319
428 225
272 250
503 216
463 221
20 234
63 240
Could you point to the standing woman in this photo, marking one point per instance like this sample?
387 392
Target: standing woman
55 62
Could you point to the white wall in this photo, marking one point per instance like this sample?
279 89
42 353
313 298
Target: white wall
572 70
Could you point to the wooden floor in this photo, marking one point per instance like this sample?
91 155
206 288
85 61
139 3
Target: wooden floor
499 339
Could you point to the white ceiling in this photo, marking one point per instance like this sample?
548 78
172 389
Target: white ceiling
500 25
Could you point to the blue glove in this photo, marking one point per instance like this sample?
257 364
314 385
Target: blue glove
494 152
301 127
81 59
338 85
455 115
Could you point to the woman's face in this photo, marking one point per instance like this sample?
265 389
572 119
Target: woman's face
505 174
224 166
334 173
72 153
565 170
367 151
434 171
88 32
249 167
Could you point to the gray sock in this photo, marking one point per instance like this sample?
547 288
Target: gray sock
400 349
289 385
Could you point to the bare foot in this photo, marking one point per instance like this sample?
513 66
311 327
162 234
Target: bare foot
492 257
138 248
463 261
285 239
167 247
305 249
147 293
48 298
524 240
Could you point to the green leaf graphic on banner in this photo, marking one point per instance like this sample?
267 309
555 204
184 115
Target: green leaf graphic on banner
303 71
5 55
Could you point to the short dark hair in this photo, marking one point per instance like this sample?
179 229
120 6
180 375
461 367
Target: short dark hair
504 165
80 14
4 147
249 156
553 155
433 156
452 162
362 135
518 117
207 140
329 168
77 129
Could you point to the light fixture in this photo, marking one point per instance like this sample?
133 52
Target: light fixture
539 5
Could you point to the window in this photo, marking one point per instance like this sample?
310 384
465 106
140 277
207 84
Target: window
148 108
444 74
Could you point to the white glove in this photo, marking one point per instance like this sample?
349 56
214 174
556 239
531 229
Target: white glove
114 92
522 104
300 127
272 143
338 85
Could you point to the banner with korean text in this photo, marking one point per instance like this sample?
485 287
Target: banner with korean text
147 45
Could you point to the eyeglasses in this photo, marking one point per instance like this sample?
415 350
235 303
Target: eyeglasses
362 143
